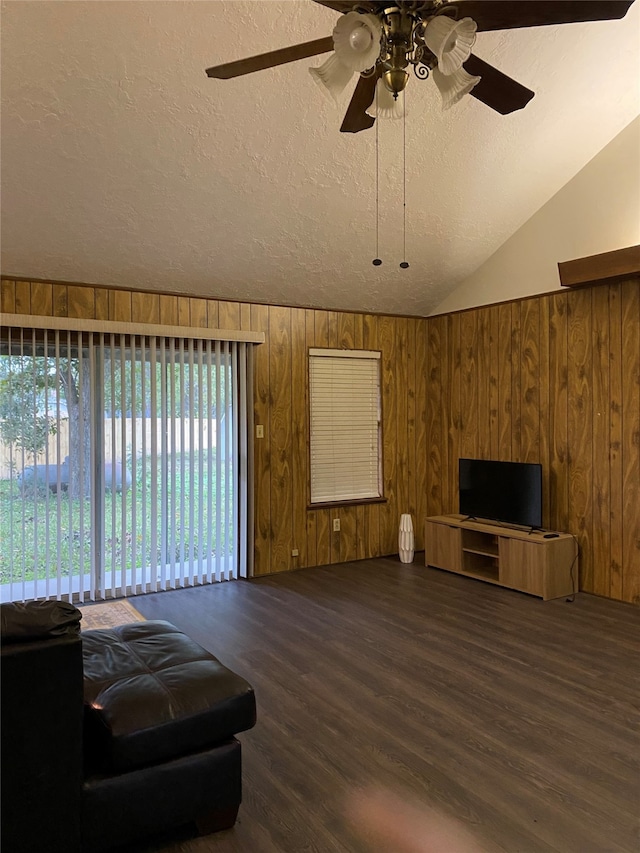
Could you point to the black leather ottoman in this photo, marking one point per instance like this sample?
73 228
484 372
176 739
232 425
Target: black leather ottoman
160 718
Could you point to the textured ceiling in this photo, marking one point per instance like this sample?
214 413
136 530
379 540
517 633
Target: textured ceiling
123 164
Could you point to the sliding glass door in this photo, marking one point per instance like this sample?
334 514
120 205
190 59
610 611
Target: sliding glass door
123 463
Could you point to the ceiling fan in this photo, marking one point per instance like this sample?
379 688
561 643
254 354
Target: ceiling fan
381 40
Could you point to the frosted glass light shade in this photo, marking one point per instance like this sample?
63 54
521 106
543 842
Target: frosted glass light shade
332 77
451 41
385 105
356 39
453 87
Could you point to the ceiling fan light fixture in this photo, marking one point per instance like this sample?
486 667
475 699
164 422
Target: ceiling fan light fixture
356 40
453 87
385 105
394 81
451 41
332 77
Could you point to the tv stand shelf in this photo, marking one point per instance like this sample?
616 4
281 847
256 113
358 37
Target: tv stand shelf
507 556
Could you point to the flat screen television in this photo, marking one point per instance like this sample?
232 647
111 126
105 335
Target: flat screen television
510 492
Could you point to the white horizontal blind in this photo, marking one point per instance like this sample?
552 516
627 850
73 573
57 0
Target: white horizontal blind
345 425
126 464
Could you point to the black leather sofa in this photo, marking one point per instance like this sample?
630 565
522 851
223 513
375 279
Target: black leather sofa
114 735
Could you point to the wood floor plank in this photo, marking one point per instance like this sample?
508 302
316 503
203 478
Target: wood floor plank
519 717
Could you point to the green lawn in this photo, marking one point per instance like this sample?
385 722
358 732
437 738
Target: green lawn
31 518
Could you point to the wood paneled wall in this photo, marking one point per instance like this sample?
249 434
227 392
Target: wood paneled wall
552 379
283 524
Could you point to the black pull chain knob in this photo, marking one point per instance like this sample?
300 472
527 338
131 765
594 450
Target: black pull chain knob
376 262
404 265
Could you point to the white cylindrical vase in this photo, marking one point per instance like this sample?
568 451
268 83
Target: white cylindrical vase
405 539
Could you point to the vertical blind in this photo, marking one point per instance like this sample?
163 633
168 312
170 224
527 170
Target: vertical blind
125 463
345 425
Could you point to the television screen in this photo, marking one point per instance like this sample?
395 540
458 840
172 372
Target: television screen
510 492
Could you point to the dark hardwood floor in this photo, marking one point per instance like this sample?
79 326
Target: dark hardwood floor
516 716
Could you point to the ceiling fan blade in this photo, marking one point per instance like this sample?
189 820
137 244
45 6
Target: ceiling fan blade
495 89
511 14
271 59
356 119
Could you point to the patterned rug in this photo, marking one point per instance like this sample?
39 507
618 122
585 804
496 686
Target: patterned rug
108 614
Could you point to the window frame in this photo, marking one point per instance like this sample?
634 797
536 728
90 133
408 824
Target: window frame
369 355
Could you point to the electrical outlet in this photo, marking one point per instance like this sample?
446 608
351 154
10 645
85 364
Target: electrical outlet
336 525
295 552
259 431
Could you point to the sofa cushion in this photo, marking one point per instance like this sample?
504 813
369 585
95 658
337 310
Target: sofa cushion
33 621
152 694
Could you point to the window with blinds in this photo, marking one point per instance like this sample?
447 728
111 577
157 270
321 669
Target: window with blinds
345 425
124 463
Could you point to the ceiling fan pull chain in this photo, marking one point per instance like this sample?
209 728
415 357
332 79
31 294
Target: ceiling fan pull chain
377 261
404 264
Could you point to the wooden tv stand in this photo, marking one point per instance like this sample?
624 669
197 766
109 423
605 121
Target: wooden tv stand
503 555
